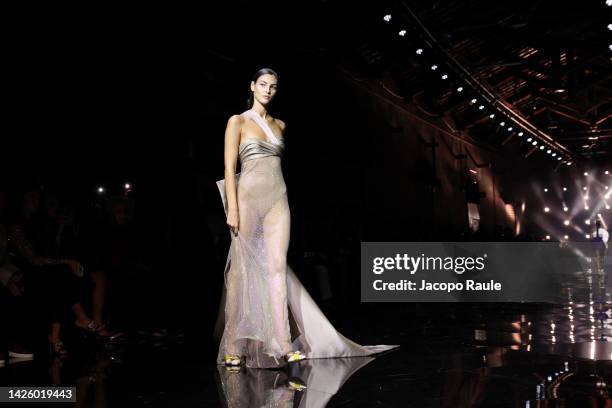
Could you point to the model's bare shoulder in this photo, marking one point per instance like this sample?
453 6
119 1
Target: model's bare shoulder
235 120
281 124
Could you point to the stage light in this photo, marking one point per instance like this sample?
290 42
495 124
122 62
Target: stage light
387 17
586 207
529 139
520 133
434 67
100 189
569 163
608 2
566 222
606 172
607 207
542 147
546 209
548 237
565 209
481 107
460 89
546 190
549 151
127 186
586 197
535 142
565 237
584 188
492 115
510 129
588 236
473 101
444 76
564 188
402 33
559 158
586 174
607 196
419 51
606 187
502 124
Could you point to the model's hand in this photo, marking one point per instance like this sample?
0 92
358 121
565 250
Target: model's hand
233 220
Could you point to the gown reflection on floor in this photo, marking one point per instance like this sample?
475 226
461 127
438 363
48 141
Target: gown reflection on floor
253 387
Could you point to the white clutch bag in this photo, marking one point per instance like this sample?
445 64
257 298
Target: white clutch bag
221 187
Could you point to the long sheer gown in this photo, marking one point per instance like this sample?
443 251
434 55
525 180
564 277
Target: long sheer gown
267 311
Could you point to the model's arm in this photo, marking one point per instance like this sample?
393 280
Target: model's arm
232 141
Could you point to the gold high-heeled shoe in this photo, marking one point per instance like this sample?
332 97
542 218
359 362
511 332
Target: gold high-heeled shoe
232 360
294 356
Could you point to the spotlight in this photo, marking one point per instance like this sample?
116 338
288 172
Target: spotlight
566 222
565 237
608 2
542 147
606 187
606 172
554 154
586 207
460 89
502 124
492 115
565 209
434 67
419 51
586 174
546 209
587 222
402 33
520 134
569 163
546 190
588 236
549 152
473 101
100 189
127 186
564 188
559 158
529 139
387 17
548 237
510 129
584 188
481 107
535 142
444 76
607 207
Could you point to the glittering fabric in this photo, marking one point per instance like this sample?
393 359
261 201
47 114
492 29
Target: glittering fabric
261 292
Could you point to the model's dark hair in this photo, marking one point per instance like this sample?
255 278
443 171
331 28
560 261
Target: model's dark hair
263 71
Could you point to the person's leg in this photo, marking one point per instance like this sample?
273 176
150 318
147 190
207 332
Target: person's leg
99 295
276 229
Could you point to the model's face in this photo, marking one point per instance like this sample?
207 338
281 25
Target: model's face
264 88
